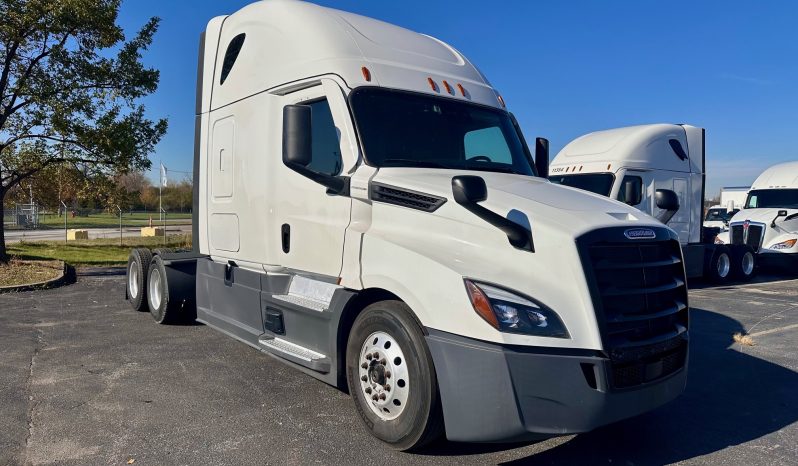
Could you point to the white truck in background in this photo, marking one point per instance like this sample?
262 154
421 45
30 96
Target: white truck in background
732 200
660 169
367 211
768 223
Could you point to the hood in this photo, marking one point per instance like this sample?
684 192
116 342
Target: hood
574 210
766 216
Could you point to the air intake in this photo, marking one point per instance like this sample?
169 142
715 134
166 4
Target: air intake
405 197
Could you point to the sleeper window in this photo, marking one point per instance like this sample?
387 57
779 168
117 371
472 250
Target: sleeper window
230 56
326 156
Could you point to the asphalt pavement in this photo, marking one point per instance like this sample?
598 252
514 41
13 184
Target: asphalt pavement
86 380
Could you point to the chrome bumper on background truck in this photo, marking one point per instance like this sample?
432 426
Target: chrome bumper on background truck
493 393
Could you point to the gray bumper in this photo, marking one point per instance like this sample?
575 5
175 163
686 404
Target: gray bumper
493 393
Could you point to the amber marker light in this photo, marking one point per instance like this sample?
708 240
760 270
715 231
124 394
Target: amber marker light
366 73
501 100
461 89
448 88
432 84
481 304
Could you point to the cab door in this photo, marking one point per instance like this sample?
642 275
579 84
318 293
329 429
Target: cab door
312 222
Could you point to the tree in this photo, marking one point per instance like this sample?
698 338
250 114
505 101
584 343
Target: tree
69 89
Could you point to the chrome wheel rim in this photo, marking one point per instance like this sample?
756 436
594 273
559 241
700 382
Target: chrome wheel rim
133 280
748 263
724 265
383 375
154 289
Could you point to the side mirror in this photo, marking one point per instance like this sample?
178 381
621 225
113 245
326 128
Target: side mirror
781 213
298 149
469 190
297 135
542 157
632 192
668 201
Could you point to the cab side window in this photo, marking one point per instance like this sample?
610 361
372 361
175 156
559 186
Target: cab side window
326 156
636 183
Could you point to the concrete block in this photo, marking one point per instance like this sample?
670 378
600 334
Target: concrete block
151 231
77 234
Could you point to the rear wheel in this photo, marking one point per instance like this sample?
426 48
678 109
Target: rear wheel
391 377
719 266
158 294
744 263
138 265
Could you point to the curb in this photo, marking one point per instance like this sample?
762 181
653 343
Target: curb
67 276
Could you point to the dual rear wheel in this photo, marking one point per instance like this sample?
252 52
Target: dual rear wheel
727 264
147 287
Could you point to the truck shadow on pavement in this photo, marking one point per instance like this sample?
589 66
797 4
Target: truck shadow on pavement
731 398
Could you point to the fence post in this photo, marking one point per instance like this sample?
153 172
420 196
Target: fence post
163 223
120 225
66 236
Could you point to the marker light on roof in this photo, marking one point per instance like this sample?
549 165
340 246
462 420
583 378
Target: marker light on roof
501 100
366 73
448 88
461 89
432 84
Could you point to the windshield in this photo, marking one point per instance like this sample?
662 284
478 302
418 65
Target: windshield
599 183
404 129
773 199
720 215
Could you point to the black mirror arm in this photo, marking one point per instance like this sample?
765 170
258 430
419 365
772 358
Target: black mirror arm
781 213
338 185
518 236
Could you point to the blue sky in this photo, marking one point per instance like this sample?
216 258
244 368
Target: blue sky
565 68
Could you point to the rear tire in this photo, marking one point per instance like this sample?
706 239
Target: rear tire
406 413
744 263
720 265
138 265
158 294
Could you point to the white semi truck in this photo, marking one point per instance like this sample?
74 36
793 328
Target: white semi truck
645 166
366 210
732 200
768 223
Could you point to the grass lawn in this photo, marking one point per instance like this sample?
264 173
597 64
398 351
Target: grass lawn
136 219
95 252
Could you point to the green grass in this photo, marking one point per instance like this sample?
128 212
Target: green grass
95 252
137 219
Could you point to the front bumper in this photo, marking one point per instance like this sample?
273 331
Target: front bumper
493 393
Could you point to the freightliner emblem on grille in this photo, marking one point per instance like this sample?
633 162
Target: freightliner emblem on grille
640 233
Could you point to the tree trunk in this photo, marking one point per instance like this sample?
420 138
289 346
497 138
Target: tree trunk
3 253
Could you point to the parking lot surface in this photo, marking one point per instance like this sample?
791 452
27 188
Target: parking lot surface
85 380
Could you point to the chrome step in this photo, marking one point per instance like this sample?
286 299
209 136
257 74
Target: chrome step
308 293
295 353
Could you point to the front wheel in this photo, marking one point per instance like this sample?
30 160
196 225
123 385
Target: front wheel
391 377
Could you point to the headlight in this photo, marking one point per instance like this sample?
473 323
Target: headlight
718 241
509 312
784 244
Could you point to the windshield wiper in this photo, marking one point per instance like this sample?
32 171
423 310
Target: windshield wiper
414 163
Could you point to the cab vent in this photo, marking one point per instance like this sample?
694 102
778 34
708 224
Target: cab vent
405 197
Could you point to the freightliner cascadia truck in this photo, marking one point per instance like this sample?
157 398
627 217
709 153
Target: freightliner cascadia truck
768 222
650 167
367 211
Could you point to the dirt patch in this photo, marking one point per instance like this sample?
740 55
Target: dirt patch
25 272
744 340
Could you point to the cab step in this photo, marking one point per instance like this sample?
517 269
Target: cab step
295 353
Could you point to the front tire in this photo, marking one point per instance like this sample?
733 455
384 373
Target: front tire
138 265
391 377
